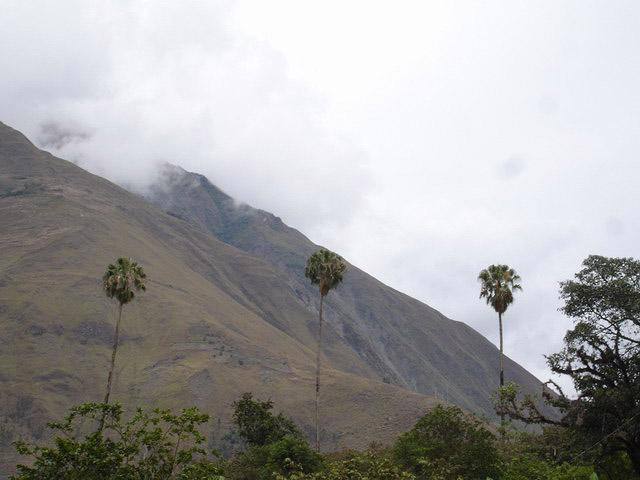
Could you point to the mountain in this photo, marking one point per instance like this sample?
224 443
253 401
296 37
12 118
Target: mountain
395 338
226 310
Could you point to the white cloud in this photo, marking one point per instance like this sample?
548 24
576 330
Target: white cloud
423 140
143 84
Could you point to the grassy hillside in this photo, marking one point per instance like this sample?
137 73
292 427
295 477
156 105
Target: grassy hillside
198 336
226 311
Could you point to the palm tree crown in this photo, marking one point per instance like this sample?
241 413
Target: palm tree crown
122 278
498 282
325 269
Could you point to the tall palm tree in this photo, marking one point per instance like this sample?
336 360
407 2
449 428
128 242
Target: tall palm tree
324 269
497 284
120 281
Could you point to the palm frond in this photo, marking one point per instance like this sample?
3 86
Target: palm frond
122 279
325 269
497 284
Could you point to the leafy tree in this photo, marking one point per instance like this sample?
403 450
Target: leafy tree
291 449
257 425
150 445
498 282
275 443
325 269
121 280
447 444
283 457
601 354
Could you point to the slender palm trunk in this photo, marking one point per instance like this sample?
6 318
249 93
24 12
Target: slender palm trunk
113 354
113 363
501 361
501 352
318 351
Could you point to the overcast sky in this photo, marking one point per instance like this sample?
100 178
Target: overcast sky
421 140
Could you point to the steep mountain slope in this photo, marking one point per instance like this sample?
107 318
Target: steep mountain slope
214 322
396 338
227 310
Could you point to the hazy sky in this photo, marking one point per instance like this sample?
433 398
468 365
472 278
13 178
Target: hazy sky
421 140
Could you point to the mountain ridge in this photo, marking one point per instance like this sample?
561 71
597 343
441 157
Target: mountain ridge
261 233
225 312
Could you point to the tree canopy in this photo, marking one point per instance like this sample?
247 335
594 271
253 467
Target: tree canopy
257 425
446 443
325 269
157 444
275 444
601 355
122 279
497 284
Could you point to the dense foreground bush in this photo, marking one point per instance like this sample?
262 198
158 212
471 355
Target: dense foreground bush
94 443
598 431
445 444
275 446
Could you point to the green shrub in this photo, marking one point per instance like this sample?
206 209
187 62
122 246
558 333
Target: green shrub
292 449
157 444
288 455
448 444
275 445
257 425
